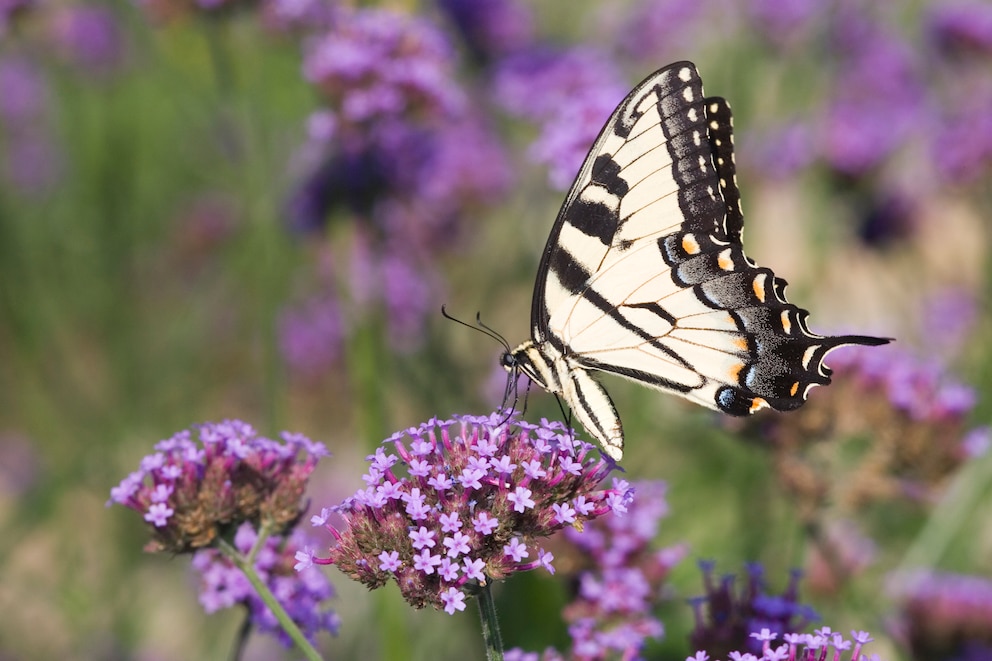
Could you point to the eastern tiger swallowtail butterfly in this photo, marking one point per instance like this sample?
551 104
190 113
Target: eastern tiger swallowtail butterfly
644 274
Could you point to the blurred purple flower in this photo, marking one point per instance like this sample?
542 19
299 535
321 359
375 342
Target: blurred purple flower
922 389
957 28
877 98
301 593
656 30
943 615
409 298
20 464
623 582
298 15
887 216
782 151
90 37
977 442
474 495
784 23
961 138
31 161
401 152
947 319
726 617
23 92
9 11
579 89
374 64
490 28
351 178
840 552
311 335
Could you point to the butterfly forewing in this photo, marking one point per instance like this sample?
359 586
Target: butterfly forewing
644 274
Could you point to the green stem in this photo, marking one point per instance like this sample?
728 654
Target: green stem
951 514
490 623
285 621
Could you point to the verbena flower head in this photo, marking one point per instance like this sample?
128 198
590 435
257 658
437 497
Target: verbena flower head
453 504
915 411
375 64
491 28
943 615
619 577
301 593
201 483
580 87
726 615
961 28
89 38
794 646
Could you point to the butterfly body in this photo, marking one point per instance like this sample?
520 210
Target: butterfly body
644 274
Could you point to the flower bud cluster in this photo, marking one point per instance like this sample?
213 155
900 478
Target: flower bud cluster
194 491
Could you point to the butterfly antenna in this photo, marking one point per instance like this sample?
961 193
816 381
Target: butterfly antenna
492 333
511 382
479 326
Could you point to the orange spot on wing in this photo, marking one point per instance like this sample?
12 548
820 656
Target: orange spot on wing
757 404
725 262
690 245
786 322
741 343
759 287
795 389
735 373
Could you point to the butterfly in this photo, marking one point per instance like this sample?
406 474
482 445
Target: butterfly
644 274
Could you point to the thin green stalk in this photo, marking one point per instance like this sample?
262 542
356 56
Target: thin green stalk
368 372
490 623
951 514
285 621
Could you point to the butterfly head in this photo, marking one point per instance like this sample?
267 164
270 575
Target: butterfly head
534 361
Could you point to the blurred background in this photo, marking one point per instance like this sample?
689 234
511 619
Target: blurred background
220 209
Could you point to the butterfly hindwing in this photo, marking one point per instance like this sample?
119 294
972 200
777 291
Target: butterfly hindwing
644 274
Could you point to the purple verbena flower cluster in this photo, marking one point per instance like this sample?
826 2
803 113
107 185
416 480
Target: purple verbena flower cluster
961 28
398 149
943 615
474 495
726 615
301 593
798 647
619 578
580 87
89 38
376 65
200 483
490 29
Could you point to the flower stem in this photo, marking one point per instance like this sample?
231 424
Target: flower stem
285 621
951 515
490 623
